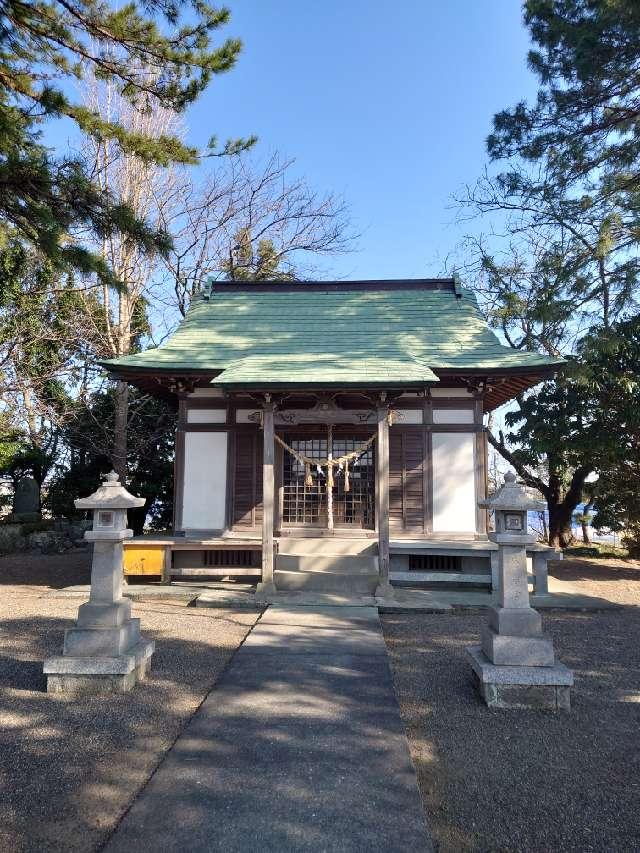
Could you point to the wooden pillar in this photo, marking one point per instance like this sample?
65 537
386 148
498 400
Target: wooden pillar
330 478
382 463
268 494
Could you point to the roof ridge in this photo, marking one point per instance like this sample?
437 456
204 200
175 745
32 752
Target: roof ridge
344 285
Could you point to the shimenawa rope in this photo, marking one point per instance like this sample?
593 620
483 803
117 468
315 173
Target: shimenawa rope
340 461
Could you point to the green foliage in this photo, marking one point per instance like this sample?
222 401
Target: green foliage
89 437
610 377
149 54
631 540
589 420
586 116
567 262
596 550
249 262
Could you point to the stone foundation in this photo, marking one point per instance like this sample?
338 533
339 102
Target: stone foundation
85 676
535 687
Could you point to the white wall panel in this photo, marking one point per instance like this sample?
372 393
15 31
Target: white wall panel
206 416
453 416
450 392
409 416
454 497
205 480
207 392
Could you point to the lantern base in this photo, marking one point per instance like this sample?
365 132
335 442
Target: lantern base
531 687
88 676
508 650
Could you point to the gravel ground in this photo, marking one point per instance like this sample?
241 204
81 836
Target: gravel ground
520 780
70 768
491 781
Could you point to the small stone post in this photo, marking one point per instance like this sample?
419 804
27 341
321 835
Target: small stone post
267 585
104 652
515 666
384 589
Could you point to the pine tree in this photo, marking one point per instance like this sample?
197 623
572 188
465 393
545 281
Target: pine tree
587 113
561 261
249 262
149 54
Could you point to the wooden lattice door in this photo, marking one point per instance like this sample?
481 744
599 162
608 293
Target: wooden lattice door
306 505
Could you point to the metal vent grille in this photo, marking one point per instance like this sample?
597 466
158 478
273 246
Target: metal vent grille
433 563
229 559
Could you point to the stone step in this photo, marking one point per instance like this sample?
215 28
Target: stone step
338 564
330 582
439 577
211 572
327 545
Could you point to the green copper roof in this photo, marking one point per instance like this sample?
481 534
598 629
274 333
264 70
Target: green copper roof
333 333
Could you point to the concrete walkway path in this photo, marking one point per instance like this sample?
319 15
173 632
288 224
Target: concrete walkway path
299 746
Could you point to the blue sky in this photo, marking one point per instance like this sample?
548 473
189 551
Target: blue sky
387 105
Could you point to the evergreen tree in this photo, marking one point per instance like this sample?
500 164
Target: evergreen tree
87 435
47 337
259 262
610 381
587 113
149 54
567 200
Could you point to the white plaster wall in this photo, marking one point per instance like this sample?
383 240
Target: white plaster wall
409 416
454 494
206 416
450 392
453 416
205 480
207 392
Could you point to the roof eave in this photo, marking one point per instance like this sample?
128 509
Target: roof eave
395 385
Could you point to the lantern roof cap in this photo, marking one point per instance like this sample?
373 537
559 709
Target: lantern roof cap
513 496
110 495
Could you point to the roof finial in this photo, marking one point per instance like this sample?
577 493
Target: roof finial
457 285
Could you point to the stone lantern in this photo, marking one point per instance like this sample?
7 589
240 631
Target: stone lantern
515 664
104 652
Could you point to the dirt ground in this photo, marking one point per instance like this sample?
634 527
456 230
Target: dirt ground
70 768
614 580
519 780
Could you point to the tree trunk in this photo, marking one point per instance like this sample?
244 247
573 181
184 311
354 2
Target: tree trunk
136 518
584 523
561 505
560 533
119 456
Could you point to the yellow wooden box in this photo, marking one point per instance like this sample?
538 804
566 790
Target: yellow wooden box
143 559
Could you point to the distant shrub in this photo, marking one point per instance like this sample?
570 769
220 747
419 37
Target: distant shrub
631 540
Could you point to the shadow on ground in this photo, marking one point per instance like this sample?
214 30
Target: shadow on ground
524 780
69 768
574 569
46 570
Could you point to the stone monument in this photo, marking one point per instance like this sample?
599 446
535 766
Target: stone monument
26 501
104 652
515 667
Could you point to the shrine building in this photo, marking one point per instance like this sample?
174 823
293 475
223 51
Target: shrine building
330 434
